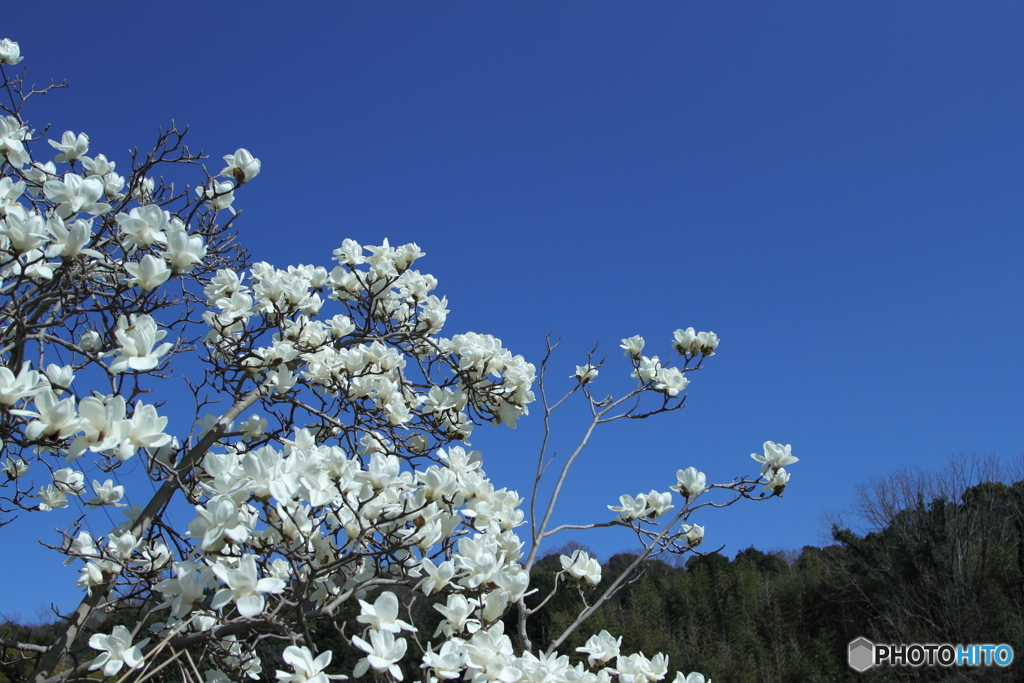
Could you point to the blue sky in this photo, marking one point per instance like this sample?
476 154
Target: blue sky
833 188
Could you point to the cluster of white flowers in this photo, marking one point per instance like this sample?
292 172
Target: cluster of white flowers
377 489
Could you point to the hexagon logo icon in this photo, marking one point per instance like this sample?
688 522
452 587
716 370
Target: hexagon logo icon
862 654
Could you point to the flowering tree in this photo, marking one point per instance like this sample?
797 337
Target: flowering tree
332 481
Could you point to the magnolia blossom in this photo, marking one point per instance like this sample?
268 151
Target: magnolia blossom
184 589
242 166
15 387
244 587
98 165
307 669
437 576
693 677
670 381
82 545
10 52
694 533
778 481
118 651
76 194
52 498
149 273
585 373
144 226
690 483
581 566
775 456
382 615
71 147
383 653
447 663
630 508
69 481
14 467
138 335
633 345
218 195
69 242
12 136
601 648
24 231
106 494
91 341
184 250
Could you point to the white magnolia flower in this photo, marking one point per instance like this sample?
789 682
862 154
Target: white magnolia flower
659 502
144 430
244 587
457 612
118 651
91 575
601 648
447 663
633 346
69 242
184 250
218 195
647 369
779 481
242 166
12 135
144 226
69 481
670 381
694 533
382 615
437 577
10 52
694 677
71 147
775 456
581 566
76 194
307 669
690 483
143 191
384 652
149 273
106 494
14 467
685 341
14 388
91 341
630 508
585 373
103 425
98 165
57 417
24 231
83 544
137 337
185 589
52 498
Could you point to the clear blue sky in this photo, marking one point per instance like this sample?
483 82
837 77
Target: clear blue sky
833 188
